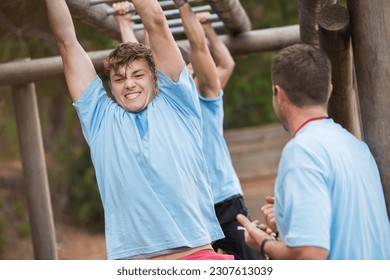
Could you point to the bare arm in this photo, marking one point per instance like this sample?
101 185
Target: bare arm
123 18
221 55
146 39
278 250
166 54
206 75
78 67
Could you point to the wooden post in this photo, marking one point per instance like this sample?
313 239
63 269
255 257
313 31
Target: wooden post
370 31
95 16
335 41
308 11
34 171
232 14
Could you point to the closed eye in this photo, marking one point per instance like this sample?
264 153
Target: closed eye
119 79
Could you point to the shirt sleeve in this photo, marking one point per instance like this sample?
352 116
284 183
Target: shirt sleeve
91 108
183 94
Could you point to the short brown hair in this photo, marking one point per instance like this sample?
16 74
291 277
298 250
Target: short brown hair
304 72
128 52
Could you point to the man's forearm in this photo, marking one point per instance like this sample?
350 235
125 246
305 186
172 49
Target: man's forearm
278 250
127 33
151 14
220 52
165 52
60 20
192 28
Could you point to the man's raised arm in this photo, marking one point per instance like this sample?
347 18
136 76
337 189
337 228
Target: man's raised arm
78 67
123 15
221 55
166 54
201 60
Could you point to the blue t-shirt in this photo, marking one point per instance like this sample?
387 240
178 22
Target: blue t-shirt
329 194
223 178
150 170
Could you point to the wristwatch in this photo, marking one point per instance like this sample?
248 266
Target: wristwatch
262 253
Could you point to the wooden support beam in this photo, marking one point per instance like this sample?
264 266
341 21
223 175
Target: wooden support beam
232 14
308 11
252 42
370 31
264 40
95 17
16 73
335 41
34 172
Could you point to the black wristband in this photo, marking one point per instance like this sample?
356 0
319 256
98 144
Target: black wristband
262 253
179 3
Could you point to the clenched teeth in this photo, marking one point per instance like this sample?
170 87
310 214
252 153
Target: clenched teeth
132 95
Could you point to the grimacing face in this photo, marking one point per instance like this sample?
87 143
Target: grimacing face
133 85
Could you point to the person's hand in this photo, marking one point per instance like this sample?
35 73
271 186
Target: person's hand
203 17
253 232
269 214
123 11
179 3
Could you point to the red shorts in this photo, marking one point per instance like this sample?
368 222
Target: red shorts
207 254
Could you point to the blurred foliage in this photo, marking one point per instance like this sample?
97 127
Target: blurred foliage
247 99
24 31
20 218
23 230
19 211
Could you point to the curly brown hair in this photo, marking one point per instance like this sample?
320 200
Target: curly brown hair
126 53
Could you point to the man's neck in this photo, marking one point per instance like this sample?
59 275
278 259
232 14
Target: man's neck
300 116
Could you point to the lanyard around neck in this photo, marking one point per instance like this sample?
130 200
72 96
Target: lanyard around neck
307 121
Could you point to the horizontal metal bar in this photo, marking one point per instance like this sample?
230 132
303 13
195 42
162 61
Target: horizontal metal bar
176 22
180 29
97 2
162 3
167 13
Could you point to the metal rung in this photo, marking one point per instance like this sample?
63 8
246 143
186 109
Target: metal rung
167 13
179 29
175 22
96 2
162 3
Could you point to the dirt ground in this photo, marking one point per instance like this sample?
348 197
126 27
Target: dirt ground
73 243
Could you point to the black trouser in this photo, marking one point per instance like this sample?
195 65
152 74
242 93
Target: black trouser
234 241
